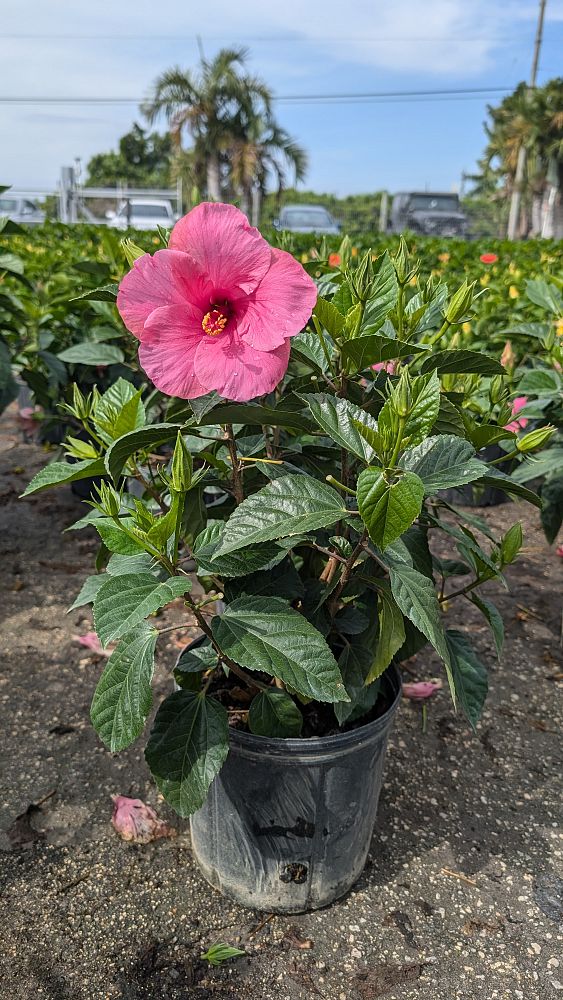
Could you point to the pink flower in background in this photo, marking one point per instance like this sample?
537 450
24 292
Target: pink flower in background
133 820
517 425
385 366
508 357
421 690
216 310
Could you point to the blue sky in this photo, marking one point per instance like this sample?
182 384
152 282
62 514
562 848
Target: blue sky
62 48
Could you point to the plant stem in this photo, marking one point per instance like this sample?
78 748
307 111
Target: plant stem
229 663
347 571
148 487
398 443
238 491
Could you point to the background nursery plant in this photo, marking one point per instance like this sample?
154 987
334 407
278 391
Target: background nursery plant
310 512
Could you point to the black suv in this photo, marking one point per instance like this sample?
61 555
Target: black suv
431 214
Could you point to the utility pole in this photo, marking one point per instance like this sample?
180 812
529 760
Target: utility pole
521 164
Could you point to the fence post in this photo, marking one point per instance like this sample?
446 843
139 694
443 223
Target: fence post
383 212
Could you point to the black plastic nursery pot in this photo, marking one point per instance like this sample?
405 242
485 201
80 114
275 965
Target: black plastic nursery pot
287 823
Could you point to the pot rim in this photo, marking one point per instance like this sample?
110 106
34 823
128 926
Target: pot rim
315 746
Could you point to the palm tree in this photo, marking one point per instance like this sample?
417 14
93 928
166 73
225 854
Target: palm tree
533 119
207 105
261 149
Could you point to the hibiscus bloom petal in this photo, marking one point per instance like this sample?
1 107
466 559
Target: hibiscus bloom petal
280 306
167 278
228 250
167 351
238 371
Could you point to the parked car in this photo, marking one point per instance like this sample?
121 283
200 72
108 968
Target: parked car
307 219
429 213
21 210
140 213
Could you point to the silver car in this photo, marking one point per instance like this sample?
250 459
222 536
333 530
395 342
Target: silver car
21 210
139 213
307 219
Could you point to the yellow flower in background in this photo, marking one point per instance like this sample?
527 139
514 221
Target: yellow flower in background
304 258
466 327
484 279
354 251
513 292
443 257
559 326
413 281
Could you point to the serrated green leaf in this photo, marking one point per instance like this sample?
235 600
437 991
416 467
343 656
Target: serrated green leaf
500 481
469 675
329 317
493 616
391 635
388 503
187 747
88 592
287 506
442 462
417 599
58 473
362 352
115 539
461 362
92 354
248 560
124 601
106 293
354 663
123 696
273 713
139 440
266 634
339 418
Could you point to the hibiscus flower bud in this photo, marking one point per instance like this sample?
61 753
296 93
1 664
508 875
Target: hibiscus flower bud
535 439
181 470
460 303
131 250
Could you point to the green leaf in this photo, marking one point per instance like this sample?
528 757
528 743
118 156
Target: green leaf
115 539
254 413
469 675
511 543
124 601
307 346
123 696
266 634
139 440
196 659
10 262
481 435
92 354
391 634
443 461
449 419
219 953
493 616
90 588
500 481
106 293
361 352
416 597
287 506
336 417
187 747
281 580
329 317
461 362
383 295
545 295
539 382
63 472
388 503
248 560
140 562
273 713
424 410
354 663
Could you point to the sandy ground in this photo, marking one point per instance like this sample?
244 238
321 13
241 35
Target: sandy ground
462 895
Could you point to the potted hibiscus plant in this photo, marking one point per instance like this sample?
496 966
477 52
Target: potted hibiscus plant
296 470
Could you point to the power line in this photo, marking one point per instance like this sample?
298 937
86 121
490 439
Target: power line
357 97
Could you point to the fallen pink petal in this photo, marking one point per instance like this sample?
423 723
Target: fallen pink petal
559 551
217 309
90 640
134 821
421 690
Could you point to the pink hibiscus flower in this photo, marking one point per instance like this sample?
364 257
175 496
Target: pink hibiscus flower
384 366
216 310
517 425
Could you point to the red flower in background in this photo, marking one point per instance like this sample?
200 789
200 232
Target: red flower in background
488 258
334 259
